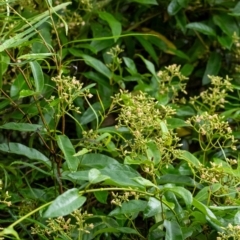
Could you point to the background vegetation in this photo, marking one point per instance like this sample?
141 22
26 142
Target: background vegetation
119 119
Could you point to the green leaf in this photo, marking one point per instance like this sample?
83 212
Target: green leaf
68 150
153 152
176 179
131 65
204 209
213 66
120 175
148 47
148 2
101 196
26 93
226 23
202 28
187 69
225 41
37 75
180 192
190 158
206 192
18 85
23 127
149 66
65 204
91 113
144 182
95 176
20 149
114 24
174 7
183 3
236 10
35 56
173 123
97 65
130 207
154 207
173 230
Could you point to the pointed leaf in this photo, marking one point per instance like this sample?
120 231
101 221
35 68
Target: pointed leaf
202 28
68 150
97 65
95 176
65 204
213 66
181 192
130 207
114 24
154 207
173 230
23 127
37 75
190 158
20 149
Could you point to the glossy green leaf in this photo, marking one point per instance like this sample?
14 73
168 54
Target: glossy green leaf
180 192
176 179
130 207
95 176
206 192
226 23
114 24
68 150
174 7
148 47
202 28
190 158
154 207
173 230
4 62
37 75
18 85
183 3
149 66
203 208
65 204
91 113
101 196
176 123
20 149
26 93
187 69
236 10
144 182
153 152
23 127
97 65
213 66
225 41
119 174
131 65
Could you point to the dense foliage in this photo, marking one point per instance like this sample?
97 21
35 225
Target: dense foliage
119 119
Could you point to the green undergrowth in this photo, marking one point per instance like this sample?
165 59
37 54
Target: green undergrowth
119 119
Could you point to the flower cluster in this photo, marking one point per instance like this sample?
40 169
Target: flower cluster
230 232
212 131
68 90
171 81
119 199
146 121
63 227
215 96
